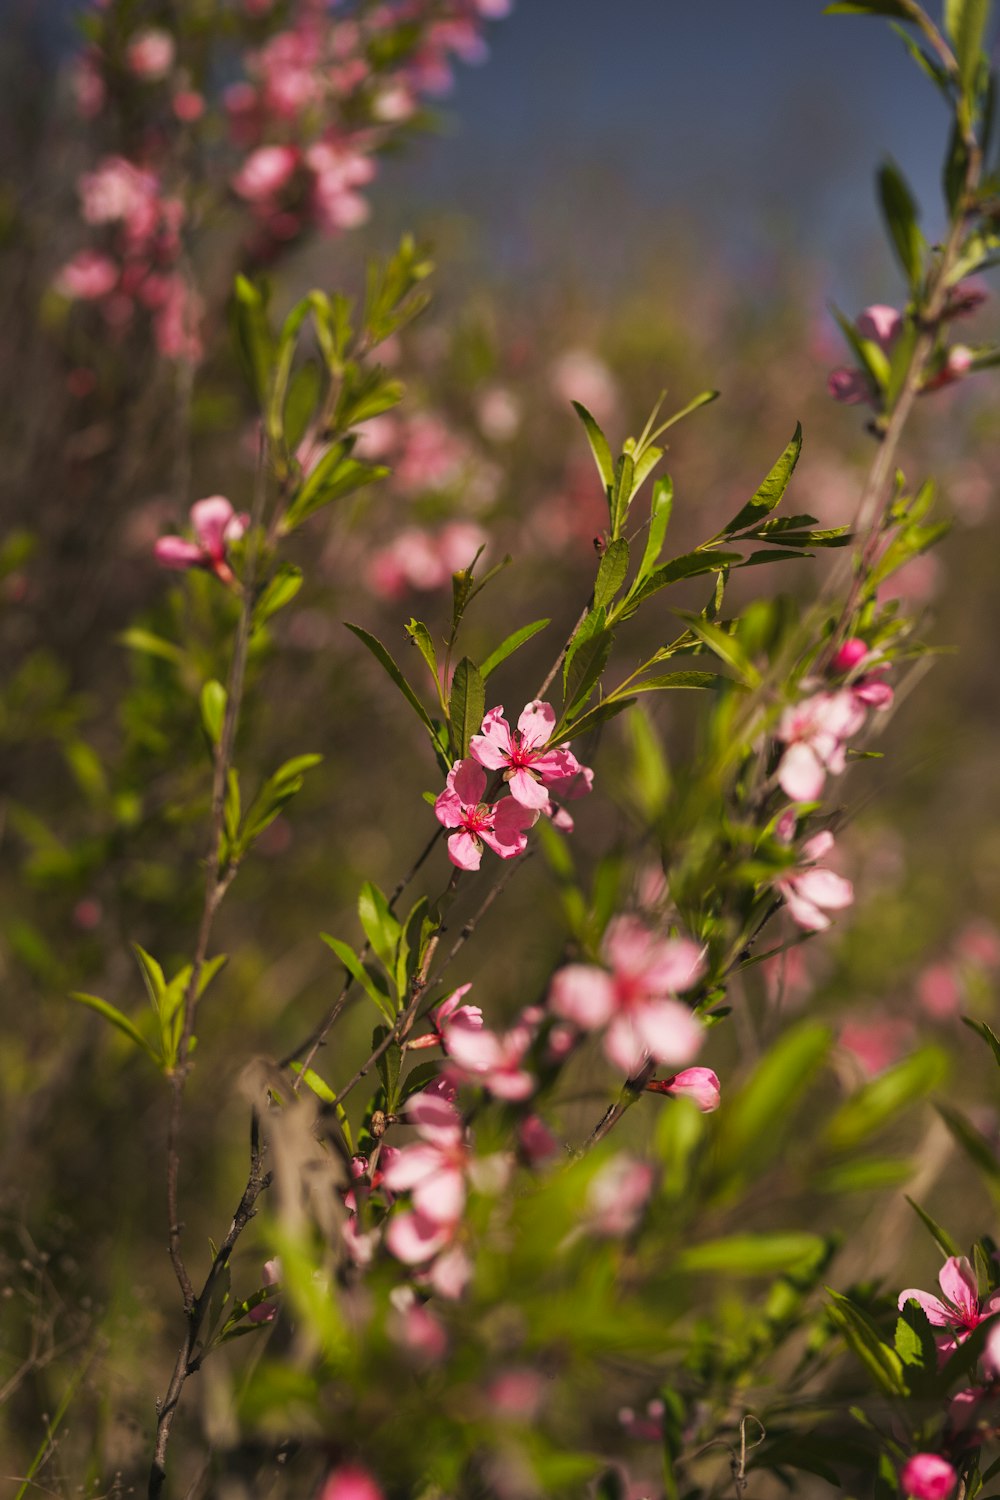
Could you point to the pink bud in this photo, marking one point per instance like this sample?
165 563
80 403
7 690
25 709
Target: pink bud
851 652
928 1476
350 1482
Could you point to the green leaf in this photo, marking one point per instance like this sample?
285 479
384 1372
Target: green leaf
862 1337
213 710
254 340
509 646
894 8
751 1254
356 969
751 1120
940 1236
986 1032
900 212
151 645
930 66
965 22
678 680
275 793
877 1102
280 590
660 510
300 404
586 659
152 974
422 639
725 646
611 573
466 706
333 475
914 1338
975 1145
380 926
598 446
114 1015
690 565
622 490
382 656
768 494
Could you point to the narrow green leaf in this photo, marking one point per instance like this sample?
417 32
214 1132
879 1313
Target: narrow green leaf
770 490
281 590
725 646
467 706
380 926
868 8
356 969
114 1015
622 491
975 1145
928 64
422 639
660 509
598 446
384 659
751 1254
940 1236
151 645
879 1101
611 573
986 1032
213 710
586 660
862 1337
690 565
751 1120
900 212
965 22
509 646
152 974
670 680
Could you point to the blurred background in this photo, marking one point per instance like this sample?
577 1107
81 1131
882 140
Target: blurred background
624 197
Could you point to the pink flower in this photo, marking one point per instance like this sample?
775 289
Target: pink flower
939 991
646 1427
350 1482
265 172
215 525
503 826
700 1085
876 1044
432 1170
150 54
486 1058
962 1310
815 731
528 766
849 655
957 362
928 1476
449 1010
849 387
632 1001
881 326
536 1141
88 276
810 890
188 105
617 1195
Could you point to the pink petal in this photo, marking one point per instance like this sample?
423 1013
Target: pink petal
493 745
175 552
451 1273
958 1282
510 825
435 1116
413 1239
801 776
210 518
441 1198
880 324
628 946
584 994
673 966
818 846
448 808
526 790
825 889
464 851
848 386
937 1313
700 1085
669 1031
624 1045
803 912
412 1164
536 724
514 1086
468 781
474 1048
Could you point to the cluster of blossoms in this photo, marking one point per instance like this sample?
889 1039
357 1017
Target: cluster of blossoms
815 734
321 94
881 327
535 774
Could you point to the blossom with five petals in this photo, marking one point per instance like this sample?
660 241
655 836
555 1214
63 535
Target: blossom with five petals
815 732
811 890
528 767
503 826
635 1001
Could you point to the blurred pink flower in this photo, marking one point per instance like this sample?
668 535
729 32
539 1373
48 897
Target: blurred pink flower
350 1482
617 1195
265 172
150 54
633 1003
939 991
810 890
501 826
215 525
815 732
89 275
266 1312
875 1044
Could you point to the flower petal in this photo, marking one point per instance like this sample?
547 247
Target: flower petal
583 993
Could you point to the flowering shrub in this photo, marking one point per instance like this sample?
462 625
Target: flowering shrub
481 1262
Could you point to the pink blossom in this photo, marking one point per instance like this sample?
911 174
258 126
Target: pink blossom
432 1170
117 191
939 991
215 525
634 1001
881 326
89 88
528 766
413 1325
957 362
814 732
875 1044
491 1060
502 826
350 1482
450 1009
88 276
188 105
265 172
928 1476
849 387
979 942
536 1141
617 1195
700 1085
962 1311
810 890
150 54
